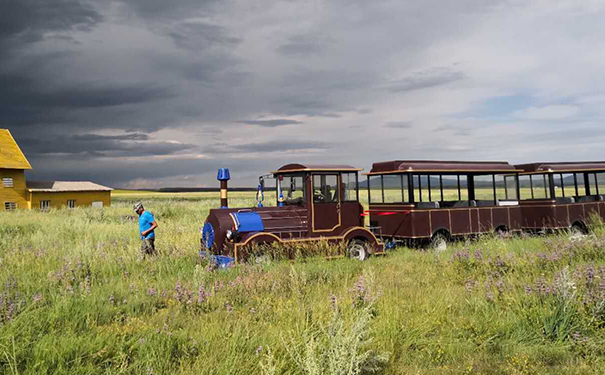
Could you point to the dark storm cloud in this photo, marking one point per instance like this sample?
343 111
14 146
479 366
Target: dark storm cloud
27 21
398 124
95 145
108 172
25 101
270 123
28 95
425 79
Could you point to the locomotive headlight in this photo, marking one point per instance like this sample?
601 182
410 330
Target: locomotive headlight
229 234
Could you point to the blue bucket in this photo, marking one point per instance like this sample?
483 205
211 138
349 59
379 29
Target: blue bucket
219 261
224 261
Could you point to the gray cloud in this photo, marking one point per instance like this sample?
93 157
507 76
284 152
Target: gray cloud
267 147
399 125
456 130
425 79
199 36
271 123
305 45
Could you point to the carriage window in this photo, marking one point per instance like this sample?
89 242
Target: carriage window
539 186
593 183
292 188
427 188
349 187
375 188
565 185
600 177
395 188
510 188
484 188
325 188
435 188
525 187
450 185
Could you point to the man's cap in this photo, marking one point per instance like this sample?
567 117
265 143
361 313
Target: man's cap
138 206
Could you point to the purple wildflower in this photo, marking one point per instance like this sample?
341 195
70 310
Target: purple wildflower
152 292
179 291
500 286
489 296
528 289
201 294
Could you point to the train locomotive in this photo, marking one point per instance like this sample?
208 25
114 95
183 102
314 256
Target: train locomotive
314 203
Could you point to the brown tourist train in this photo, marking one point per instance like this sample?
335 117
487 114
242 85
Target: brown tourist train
410 202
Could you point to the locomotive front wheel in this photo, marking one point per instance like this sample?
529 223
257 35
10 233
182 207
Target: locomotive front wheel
358 249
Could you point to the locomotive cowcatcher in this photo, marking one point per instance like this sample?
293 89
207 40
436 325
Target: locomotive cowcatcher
314 203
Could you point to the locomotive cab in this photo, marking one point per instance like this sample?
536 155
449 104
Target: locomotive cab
313 203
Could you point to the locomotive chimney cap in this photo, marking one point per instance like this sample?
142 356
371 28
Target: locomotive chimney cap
223 174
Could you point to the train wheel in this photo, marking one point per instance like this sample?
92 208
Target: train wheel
358 249
578 229
578 232
439 242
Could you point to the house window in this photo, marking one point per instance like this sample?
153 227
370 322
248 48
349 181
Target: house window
7 182
71 203
10 205
44 205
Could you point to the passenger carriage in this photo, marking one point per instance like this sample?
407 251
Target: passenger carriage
314 203
561 195
441 200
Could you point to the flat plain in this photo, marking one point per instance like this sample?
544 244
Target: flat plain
78 298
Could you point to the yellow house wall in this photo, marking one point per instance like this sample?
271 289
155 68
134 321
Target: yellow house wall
18 192
59 199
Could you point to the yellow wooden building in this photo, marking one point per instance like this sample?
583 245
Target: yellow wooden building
13 191
16 192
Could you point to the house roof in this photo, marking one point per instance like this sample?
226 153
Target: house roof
59 186
562 167
11 156
316 168
443 167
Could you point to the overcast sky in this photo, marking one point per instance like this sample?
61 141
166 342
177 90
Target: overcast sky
151 93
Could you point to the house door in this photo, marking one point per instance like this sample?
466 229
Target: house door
326 203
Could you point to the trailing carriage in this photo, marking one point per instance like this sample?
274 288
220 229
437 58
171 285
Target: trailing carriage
561 195
418 201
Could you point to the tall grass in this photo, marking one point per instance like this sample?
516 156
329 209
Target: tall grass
77 297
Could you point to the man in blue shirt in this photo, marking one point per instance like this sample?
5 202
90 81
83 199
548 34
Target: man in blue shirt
147 225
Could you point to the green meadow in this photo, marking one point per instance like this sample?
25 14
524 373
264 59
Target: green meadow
77 297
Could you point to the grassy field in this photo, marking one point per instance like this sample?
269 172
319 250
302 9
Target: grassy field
78 298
